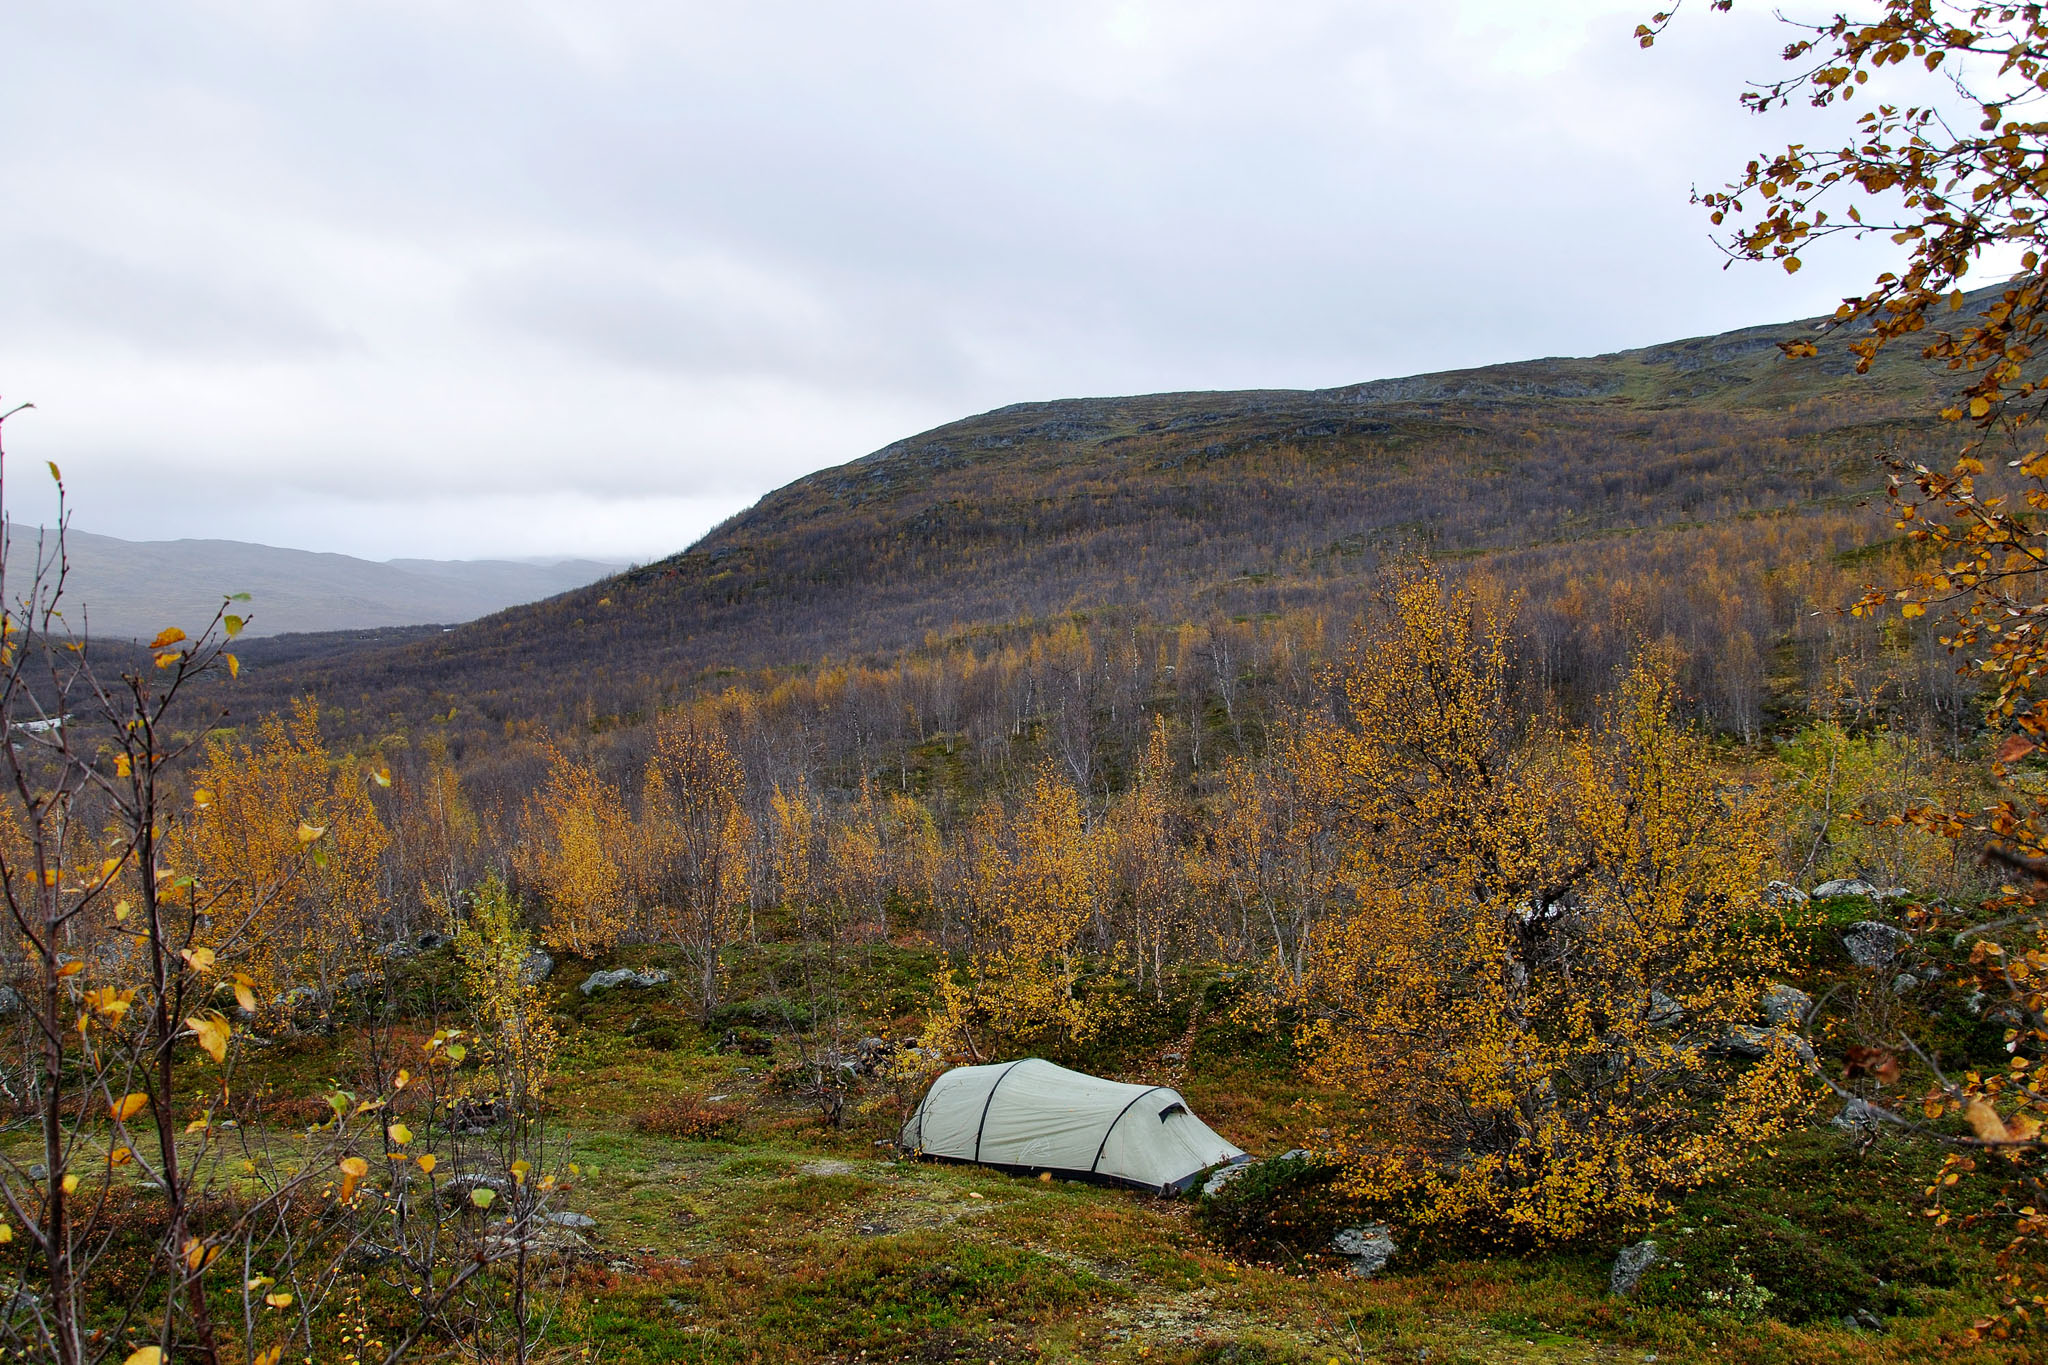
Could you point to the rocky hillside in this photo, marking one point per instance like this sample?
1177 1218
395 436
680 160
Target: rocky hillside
1180 506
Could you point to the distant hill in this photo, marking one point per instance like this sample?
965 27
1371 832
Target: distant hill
132 589
1712 470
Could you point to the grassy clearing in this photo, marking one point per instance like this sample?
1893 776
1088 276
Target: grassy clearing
783 1241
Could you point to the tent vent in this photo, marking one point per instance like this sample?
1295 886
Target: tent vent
1170 1110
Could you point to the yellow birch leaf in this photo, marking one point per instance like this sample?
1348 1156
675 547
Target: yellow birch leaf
427 1163
353 1169
212 1031
128 1106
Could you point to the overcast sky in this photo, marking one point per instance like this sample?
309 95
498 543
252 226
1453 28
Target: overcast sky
454 279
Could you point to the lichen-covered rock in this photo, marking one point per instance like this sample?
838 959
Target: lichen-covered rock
1664 1012
536 968
1860 1119
1217 1182
623 976
1754 1043
1631 1265
1785 1006
1368 1248
1844 886
1874 945
581 1222
1781 894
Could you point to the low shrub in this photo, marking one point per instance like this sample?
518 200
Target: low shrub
687 1116
1833 1235
660 1038
1760 1265
1289 1205
763 1011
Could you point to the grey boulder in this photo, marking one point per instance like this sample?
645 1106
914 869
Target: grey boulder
1747 1040
1664 1012
1221 1179
537 968
1631 1265
622 976
1871 944
1844 886
1368 1248
1785 1005
1782 894
1860 1119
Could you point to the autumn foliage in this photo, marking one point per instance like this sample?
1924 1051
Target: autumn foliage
283 849
1547 936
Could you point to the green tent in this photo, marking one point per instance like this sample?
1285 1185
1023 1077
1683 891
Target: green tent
1031 1116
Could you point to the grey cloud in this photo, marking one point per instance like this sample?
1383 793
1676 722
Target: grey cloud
477 258
705 314
64 286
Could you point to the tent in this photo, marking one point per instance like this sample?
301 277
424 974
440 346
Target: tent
1031 1116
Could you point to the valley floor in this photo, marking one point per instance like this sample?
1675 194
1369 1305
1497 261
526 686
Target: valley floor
790 1242
785 1242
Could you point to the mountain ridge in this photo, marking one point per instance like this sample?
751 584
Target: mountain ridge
133 588
1180 505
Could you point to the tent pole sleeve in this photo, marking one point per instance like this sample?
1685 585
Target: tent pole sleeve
1114 1122
991 1100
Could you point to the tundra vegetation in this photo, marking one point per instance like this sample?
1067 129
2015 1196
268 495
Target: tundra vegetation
1562 893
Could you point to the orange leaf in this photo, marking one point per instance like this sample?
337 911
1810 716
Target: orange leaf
1984 1120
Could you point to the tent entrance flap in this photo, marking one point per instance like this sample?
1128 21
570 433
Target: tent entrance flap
1031 1115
